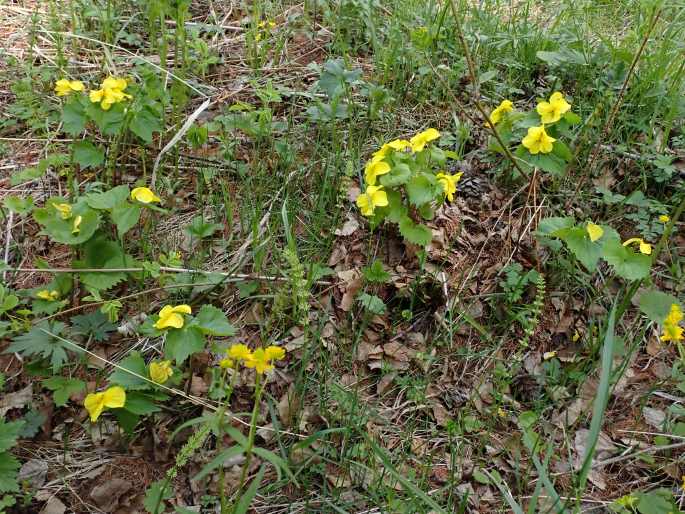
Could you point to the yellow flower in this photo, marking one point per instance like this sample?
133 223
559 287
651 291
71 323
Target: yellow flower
664 219
64 209
448 183
111 91
373 169
548 355
682 486
594 231
239 352
226 363
398 145
161 371
672 331
645 248
144 195
76 225
112 398
372 198
64 87
171 316
537 140
550 112
262 359
50 296
503 108
420 140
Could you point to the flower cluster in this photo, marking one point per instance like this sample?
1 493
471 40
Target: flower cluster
111 91
645 248
261 359
49 296
112 398
672 331
264 29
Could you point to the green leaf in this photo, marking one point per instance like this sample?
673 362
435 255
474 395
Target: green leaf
213 322
9 432
181 343
18 204
396 210
550 226
61 230
372 303
659 501
416 234
87 155
135 364
125 216
155 496
420 190
586 251
201 229
108 199
62 388
38 342
140 404
572 118
9 467
656 305
562 57
562 151
399 174
278 462
144 123
246 499
218 461
376 273
109 122
101 252
626 263
73 118
127 420
547 162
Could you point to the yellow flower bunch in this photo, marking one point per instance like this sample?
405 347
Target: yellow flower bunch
112 398
261 359
160 371
420 140
449 183
64 87
538 141
111 92
172 317
144 195
374 197
550 112
264 29
64 210
672 331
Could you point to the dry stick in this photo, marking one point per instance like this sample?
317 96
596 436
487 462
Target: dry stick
476 91
614 110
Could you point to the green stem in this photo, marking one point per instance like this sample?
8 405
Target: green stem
220 413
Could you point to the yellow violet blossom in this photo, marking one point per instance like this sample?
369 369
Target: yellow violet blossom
537 140
64 210
64 87
171 316
398 145
112 398
161 371
262 359
374 197
76 225
239 352
373 170
420 140
550 112
448 183
144 195
672 331
664 218
645 248
50 296
504 107
594 231
226 363
111 91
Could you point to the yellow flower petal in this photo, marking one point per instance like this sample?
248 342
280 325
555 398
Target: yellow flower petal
538 141
96 95
161 371
76 225
550 112
504 107
64 209
94 404
664 219
644 247
169 317
114 397
239 352
274 353
373 169
364 204
594 231
50 296
144 195
420 140
226 363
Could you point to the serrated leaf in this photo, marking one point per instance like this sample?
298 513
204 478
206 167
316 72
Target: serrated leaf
109 122
376 273
372 303
135 364
9 432
125 216
18 204
94 324
182 343
38 342
399 174
62 388
415 233
87 155
140 404
420 190
108 199
578 241
9 467
61 230
73 118
144 123
212 321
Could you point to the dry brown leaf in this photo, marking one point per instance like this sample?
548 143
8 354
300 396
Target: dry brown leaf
654 417
107 495
16 400
54 506
350 226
